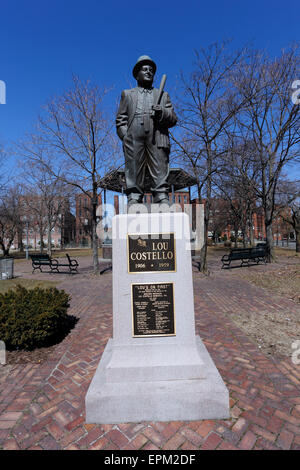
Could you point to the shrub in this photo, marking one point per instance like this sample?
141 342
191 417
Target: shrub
31 318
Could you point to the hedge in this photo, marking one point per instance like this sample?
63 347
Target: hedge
33 318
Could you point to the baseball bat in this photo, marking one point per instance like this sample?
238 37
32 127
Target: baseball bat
161 89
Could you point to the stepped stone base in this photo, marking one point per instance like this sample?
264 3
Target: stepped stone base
165 377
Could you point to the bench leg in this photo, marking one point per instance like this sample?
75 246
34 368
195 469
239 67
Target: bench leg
245 262
226 264
36 267
197 265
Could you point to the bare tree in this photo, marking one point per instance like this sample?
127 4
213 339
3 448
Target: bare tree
75 135
3 157
236 182
34 216
10 217
271 121
219 217
45 199
288 207
207 107
295 223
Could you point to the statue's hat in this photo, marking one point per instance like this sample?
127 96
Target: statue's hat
143 60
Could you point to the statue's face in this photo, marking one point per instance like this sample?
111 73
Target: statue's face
145 76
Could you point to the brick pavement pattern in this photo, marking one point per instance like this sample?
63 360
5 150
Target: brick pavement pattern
42 405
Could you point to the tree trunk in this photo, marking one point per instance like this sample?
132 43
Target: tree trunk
62 237
244 241
49 247
94 233
41 241
203 256
251 232
203 251
269 235
3 248
244 236
20 239
6 248
236 234
297 230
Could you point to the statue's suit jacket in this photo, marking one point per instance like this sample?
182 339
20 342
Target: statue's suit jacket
127 110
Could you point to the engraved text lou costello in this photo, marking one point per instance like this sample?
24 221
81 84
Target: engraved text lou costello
151 253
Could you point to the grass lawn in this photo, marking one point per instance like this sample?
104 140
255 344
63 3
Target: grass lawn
273 330
28 283
74 252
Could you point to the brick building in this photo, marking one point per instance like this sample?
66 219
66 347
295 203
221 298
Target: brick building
219 221
84 212
178 197
33 225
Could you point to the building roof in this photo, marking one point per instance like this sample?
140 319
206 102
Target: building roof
178 178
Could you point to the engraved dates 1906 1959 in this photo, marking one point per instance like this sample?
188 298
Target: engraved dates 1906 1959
151 253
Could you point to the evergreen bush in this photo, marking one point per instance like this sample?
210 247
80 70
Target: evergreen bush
32 318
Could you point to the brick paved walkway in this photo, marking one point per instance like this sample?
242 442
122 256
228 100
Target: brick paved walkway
42 405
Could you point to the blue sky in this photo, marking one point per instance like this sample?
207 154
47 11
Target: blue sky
43 42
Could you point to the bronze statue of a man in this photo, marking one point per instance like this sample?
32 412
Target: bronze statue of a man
143 125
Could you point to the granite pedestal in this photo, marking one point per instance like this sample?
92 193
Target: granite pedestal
156 377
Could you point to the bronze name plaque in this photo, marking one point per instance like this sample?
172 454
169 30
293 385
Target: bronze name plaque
153 309
151 252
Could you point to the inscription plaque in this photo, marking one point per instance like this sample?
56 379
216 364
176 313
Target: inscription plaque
151 252
153 309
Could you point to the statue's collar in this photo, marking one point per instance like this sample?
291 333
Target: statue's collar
145 90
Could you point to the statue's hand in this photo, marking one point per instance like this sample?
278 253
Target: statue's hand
157 111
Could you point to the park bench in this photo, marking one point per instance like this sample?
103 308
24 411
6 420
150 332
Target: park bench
108 268
245 255
72 264
40 260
